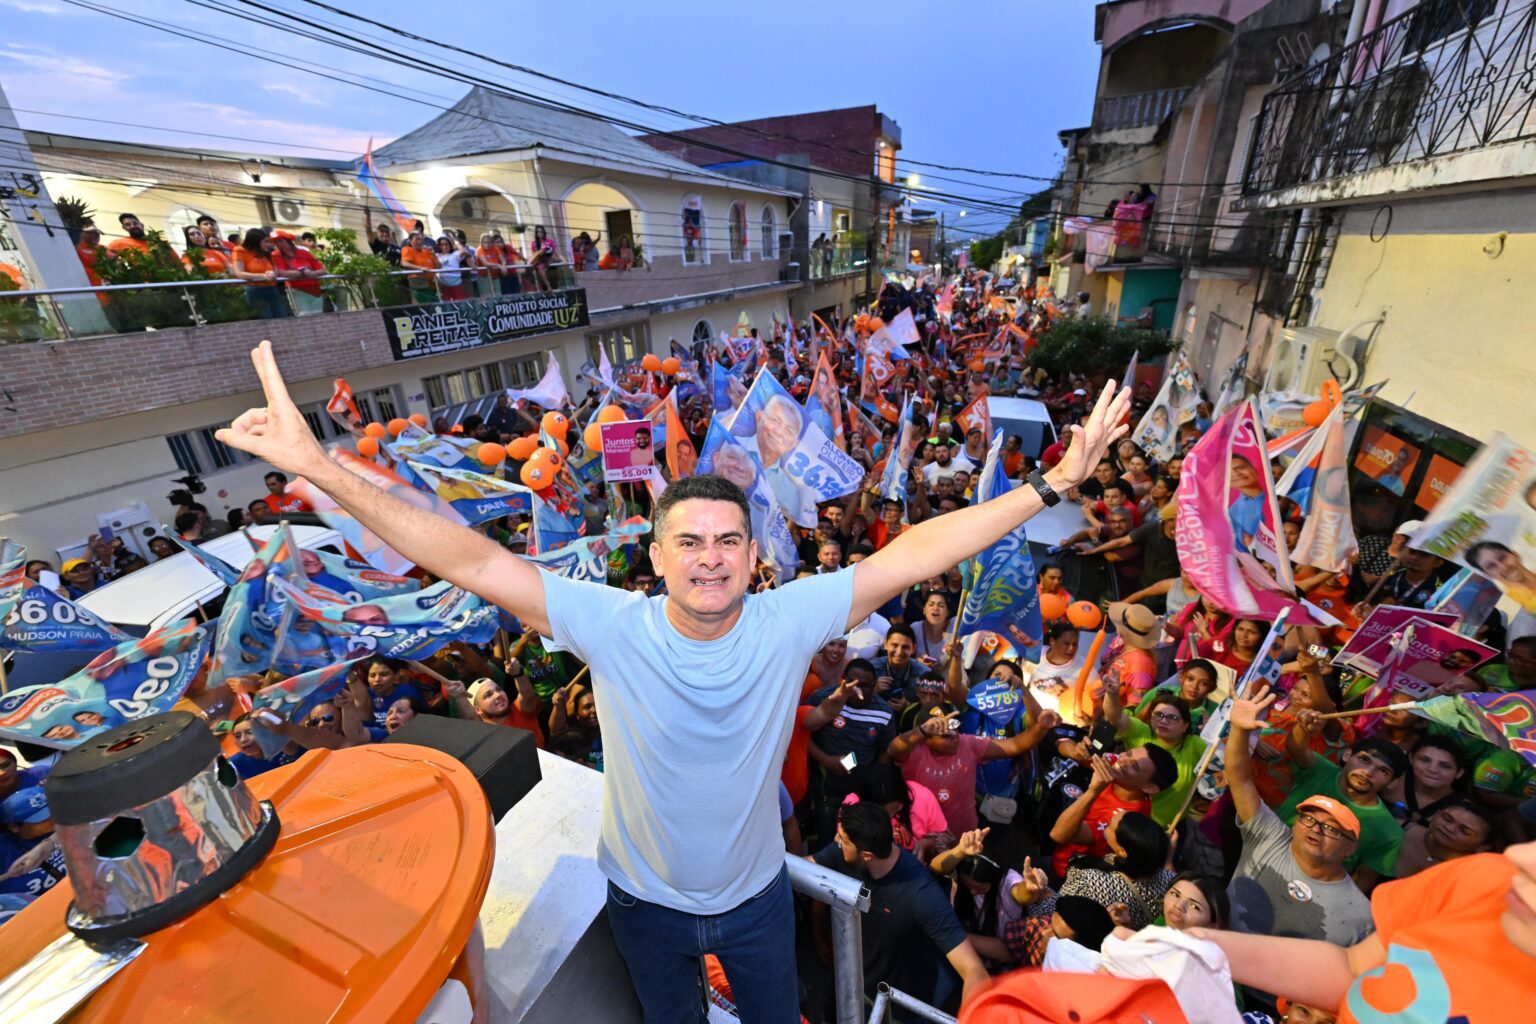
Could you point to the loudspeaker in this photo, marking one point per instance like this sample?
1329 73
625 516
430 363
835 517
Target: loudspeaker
505 760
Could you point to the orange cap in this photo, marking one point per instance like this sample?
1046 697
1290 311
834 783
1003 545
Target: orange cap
1341 814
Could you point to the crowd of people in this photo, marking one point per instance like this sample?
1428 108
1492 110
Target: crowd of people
1079 812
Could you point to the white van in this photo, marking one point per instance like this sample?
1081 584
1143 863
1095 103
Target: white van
1025 417
179 587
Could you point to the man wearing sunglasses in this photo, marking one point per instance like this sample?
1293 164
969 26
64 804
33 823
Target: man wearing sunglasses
1291 880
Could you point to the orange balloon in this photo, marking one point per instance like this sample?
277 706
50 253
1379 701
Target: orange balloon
875 323
397 426
374 430
592 437
491 454
368 447
1316 412
537 475
1085 615
861 322
977 365
1052 607
550 456
671 365
522 448
555 424
611 414
419 418
651 362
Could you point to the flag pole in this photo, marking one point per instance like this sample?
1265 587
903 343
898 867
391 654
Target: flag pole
1406 705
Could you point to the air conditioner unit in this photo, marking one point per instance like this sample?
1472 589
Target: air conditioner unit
134 523
472 209
1305 357
284 211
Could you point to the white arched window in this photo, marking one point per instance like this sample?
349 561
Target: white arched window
769 241
703 333
737 223
695 245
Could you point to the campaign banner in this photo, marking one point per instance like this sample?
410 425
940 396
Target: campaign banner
478 497
1470 595
406 626
220 569
587 557
627 450
682 459
34 618
136 678
416 331
342 407
1435 655
1158 431
893 480
1005 592
1264 671
1251 504
725 455
998 702
1384 621
1387 459
825 402
1438 479
417 445
1487 520
1318 481
976 415
354 580
860 421
294 698
254 621
1206 529
802 464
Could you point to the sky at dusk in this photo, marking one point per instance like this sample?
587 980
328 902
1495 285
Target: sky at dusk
985 85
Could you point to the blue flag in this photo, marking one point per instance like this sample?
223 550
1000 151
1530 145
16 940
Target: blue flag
893 482
134 679
478 497
407 626
294 698
802 464
1005 592
222 570
254 620
725 455
34 618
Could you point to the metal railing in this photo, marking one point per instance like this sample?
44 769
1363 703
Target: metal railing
888 997
43 315
847 898
1445 77
1138 109
827 263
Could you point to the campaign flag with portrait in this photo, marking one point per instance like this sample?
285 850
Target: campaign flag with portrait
825 402
1005 591
342 407
1431 656
478 497
1158 431
1487 519
255 620
726 455
682 460
977 415
803 465
136 678
292 700
405 626
35 619
586 558
893 481
1318 481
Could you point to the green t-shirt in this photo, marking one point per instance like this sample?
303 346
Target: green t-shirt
1381 835
1500 771
1166 804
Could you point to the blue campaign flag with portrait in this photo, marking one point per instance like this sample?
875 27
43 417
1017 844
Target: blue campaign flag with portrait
221 570
1005 592
294 698
136 678
354 580
35 619
802 464
478 497
406 626
254 621
725 455
893 481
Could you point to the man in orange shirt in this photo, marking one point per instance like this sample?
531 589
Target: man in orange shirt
136 237
417 253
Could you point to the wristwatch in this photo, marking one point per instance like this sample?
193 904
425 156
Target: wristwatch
1046 491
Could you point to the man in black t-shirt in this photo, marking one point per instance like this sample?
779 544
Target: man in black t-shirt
906 906
864 728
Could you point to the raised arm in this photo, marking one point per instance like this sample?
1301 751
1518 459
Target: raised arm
1070 826
937 545
1024 741
1247 717
279 434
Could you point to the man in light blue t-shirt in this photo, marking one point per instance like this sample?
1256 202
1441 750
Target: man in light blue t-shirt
695 690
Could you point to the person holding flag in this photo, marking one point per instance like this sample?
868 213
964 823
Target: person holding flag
694 689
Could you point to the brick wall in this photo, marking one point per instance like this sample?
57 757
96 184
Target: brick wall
837 140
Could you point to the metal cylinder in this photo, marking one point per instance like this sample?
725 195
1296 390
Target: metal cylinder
153 823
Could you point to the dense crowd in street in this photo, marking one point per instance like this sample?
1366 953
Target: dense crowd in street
1124 767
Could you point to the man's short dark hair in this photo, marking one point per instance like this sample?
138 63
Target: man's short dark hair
704 487
868 827
900 629
862 664
1165 770
1390 753
186 521
282 478
122 217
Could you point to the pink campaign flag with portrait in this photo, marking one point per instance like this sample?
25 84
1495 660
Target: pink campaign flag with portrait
1226 525
1318 481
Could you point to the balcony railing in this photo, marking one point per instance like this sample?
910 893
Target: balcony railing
1137 109
1447 76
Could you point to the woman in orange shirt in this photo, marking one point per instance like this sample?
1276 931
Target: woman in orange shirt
199 253
420 254
263 290
491 264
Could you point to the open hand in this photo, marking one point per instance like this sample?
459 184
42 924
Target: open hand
278 432
1090 442
1248 713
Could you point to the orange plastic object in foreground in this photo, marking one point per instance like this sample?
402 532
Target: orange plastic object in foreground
367 904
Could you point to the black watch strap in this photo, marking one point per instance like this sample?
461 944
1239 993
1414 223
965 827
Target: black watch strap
1047 493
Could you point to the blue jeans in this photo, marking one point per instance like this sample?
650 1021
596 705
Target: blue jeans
268 301
755 942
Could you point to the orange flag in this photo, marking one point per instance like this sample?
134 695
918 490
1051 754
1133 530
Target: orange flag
682 459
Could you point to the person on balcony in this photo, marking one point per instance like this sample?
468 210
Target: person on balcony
302 271
210 229
543 255
419 255
512 280
134 236
491 264
253 265
383 244
451 257
200 253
